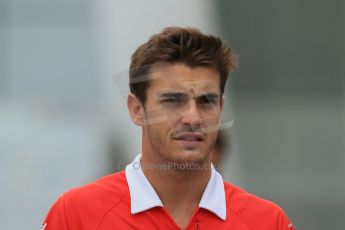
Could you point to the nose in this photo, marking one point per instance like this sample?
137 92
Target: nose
191 116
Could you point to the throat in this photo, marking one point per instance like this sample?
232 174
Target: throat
182 215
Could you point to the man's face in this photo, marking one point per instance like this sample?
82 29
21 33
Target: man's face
182 112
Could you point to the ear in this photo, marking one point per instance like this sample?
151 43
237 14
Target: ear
136 110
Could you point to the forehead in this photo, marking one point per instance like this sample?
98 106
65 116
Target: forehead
179 77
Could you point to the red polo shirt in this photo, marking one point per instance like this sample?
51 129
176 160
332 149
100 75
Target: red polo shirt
108 204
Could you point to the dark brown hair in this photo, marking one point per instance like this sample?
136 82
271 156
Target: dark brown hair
179 45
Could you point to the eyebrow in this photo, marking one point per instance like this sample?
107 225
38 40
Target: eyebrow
179 95
210 95
172 94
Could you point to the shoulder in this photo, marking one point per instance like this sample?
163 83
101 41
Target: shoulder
240 200
99 195
109 188
84 207
254 211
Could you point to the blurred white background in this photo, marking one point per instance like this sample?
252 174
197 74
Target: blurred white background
63 124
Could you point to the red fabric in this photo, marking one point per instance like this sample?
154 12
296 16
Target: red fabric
105 205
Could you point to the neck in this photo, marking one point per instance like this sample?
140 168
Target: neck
177 189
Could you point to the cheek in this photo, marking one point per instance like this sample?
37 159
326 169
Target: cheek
210 123
171 120
212 114
161 130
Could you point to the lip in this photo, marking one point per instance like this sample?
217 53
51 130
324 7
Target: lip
190 140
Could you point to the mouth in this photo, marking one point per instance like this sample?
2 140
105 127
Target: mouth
190 140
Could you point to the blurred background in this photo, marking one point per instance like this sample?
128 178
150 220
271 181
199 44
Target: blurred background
63 122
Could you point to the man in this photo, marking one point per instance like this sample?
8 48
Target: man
177 80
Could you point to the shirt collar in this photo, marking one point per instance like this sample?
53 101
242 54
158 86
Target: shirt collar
144 197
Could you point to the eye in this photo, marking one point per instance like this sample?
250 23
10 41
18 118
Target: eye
207 100
171 100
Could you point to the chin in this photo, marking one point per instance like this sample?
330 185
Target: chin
195 155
